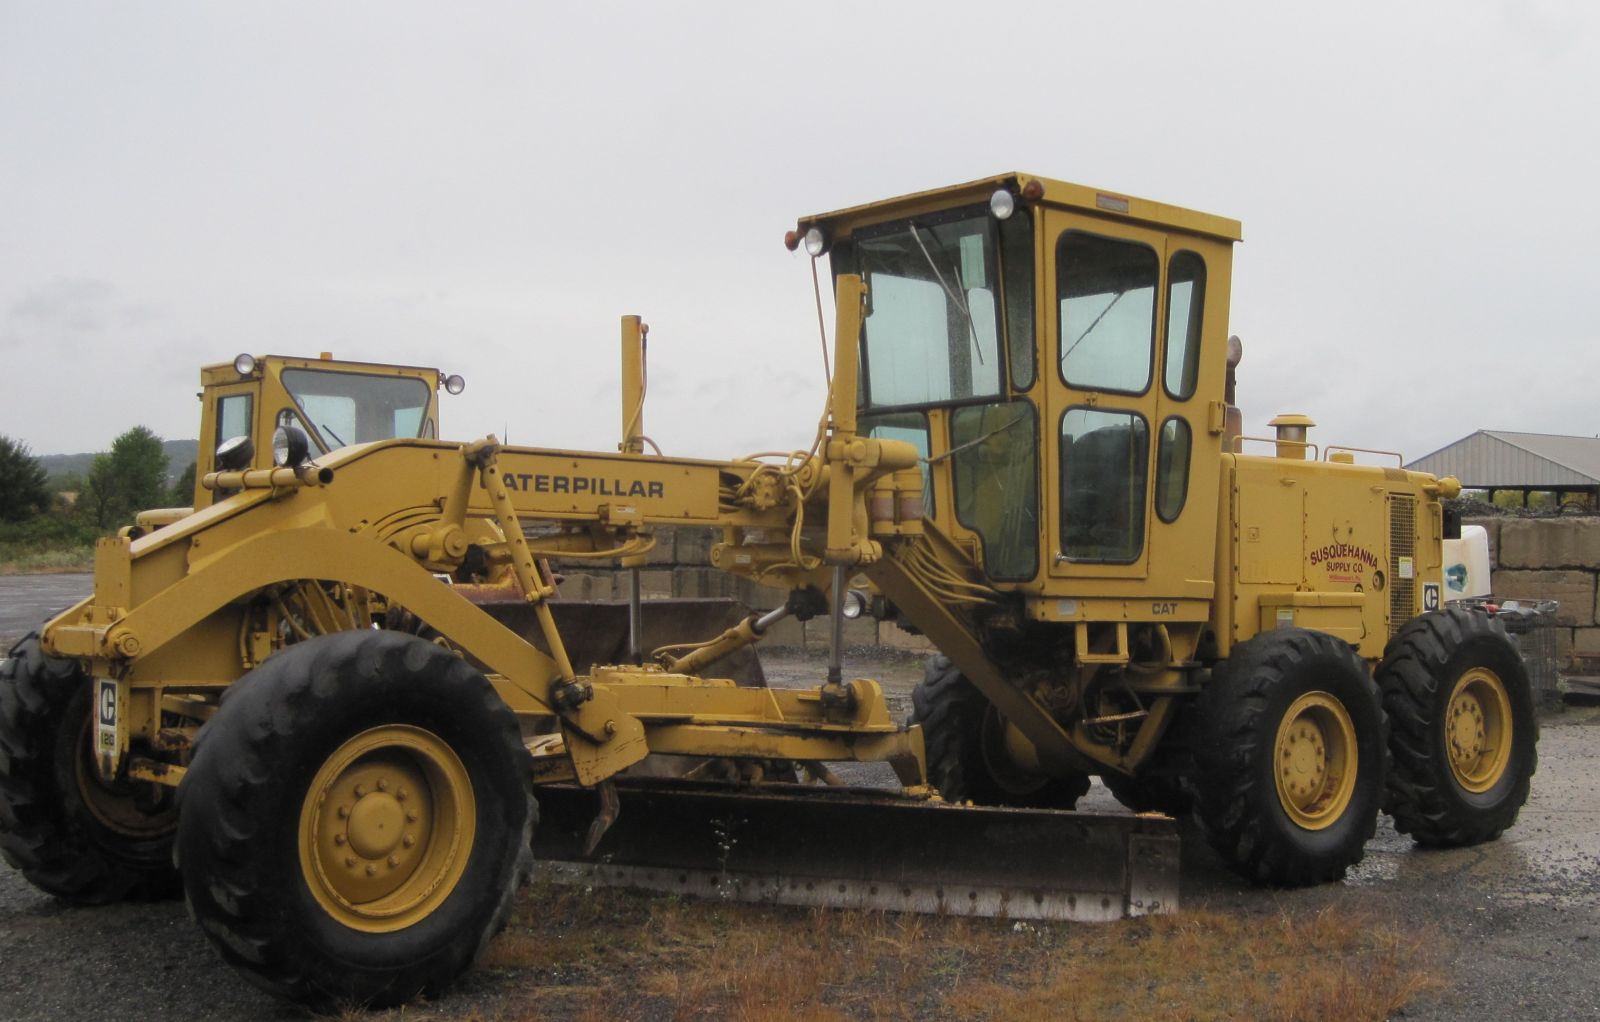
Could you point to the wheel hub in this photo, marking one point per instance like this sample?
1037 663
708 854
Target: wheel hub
386 828
1477 730
1314 760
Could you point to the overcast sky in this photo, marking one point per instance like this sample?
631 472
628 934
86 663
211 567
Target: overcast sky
487 187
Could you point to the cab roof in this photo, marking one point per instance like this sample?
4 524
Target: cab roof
1058 194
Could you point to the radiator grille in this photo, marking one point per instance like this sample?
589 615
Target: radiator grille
1402 543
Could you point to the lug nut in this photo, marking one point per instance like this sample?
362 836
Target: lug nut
344 812
383 785
394 860
408 841
361 789
338 839
372 870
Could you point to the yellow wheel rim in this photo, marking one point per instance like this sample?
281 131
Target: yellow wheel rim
386 828
1477 730
1314 760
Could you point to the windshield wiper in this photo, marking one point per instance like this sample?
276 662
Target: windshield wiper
1090 329
337 439
959 297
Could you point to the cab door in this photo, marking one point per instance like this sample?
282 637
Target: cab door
1102 394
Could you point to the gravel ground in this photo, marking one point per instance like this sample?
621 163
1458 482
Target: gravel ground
1520 917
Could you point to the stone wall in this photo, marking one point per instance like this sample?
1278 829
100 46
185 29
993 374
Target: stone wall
1552 559
679 566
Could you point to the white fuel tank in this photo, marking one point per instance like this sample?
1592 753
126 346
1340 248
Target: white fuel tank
1466 564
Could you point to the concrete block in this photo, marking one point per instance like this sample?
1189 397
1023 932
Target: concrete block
662 553
692 545
1550 543
895 637
654 584
1492 527
1585 642
863 631
707 582
1575 590
590 586
787 633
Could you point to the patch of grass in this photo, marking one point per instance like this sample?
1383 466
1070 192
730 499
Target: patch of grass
21 561
610 954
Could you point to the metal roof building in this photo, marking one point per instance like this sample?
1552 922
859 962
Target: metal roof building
1492 459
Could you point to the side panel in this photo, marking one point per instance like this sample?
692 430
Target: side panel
1351 550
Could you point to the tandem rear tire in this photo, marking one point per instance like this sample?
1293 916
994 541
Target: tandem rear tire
356 820
1463 735
1290 758
963 735
70 833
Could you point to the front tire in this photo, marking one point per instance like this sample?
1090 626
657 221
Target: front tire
70 833
1465 737
356 819
1291 759
964 738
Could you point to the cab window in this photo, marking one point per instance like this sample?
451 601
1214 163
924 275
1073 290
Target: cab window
1172 468
994 456
1107 294
1186 293
233 417
1104 472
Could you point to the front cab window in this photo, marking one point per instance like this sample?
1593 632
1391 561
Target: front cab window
356 408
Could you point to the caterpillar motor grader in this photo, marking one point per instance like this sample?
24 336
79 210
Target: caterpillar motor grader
292 700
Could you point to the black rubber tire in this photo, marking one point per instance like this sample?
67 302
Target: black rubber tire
253 766
1419 672
47 830
1241 711
954 716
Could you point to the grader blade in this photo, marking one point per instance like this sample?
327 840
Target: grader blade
864 849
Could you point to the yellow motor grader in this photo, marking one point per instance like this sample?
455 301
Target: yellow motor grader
296 701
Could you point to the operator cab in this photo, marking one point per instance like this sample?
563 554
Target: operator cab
333 403
1060 345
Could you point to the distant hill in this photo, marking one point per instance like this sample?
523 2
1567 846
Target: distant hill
179 454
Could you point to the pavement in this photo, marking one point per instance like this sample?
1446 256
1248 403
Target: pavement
27 601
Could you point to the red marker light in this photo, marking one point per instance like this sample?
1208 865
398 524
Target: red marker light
1033 191
791 240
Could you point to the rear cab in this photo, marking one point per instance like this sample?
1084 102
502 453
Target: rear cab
335 403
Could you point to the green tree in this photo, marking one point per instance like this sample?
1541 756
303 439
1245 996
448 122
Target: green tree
128 479
24 489
182 494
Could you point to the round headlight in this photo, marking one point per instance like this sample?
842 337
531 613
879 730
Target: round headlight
235 453
855 604
454 384
1002 204
289 446
816 242
244 365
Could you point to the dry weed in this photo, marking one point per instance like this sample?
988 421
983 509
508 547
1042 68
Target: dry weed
612 955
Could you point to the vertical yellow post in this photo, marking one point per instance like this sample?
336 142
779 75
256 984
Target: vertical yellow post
634 332
849 296
843 451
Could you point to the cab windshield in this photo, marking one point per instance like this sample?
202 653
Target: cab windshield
944 293
355 408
